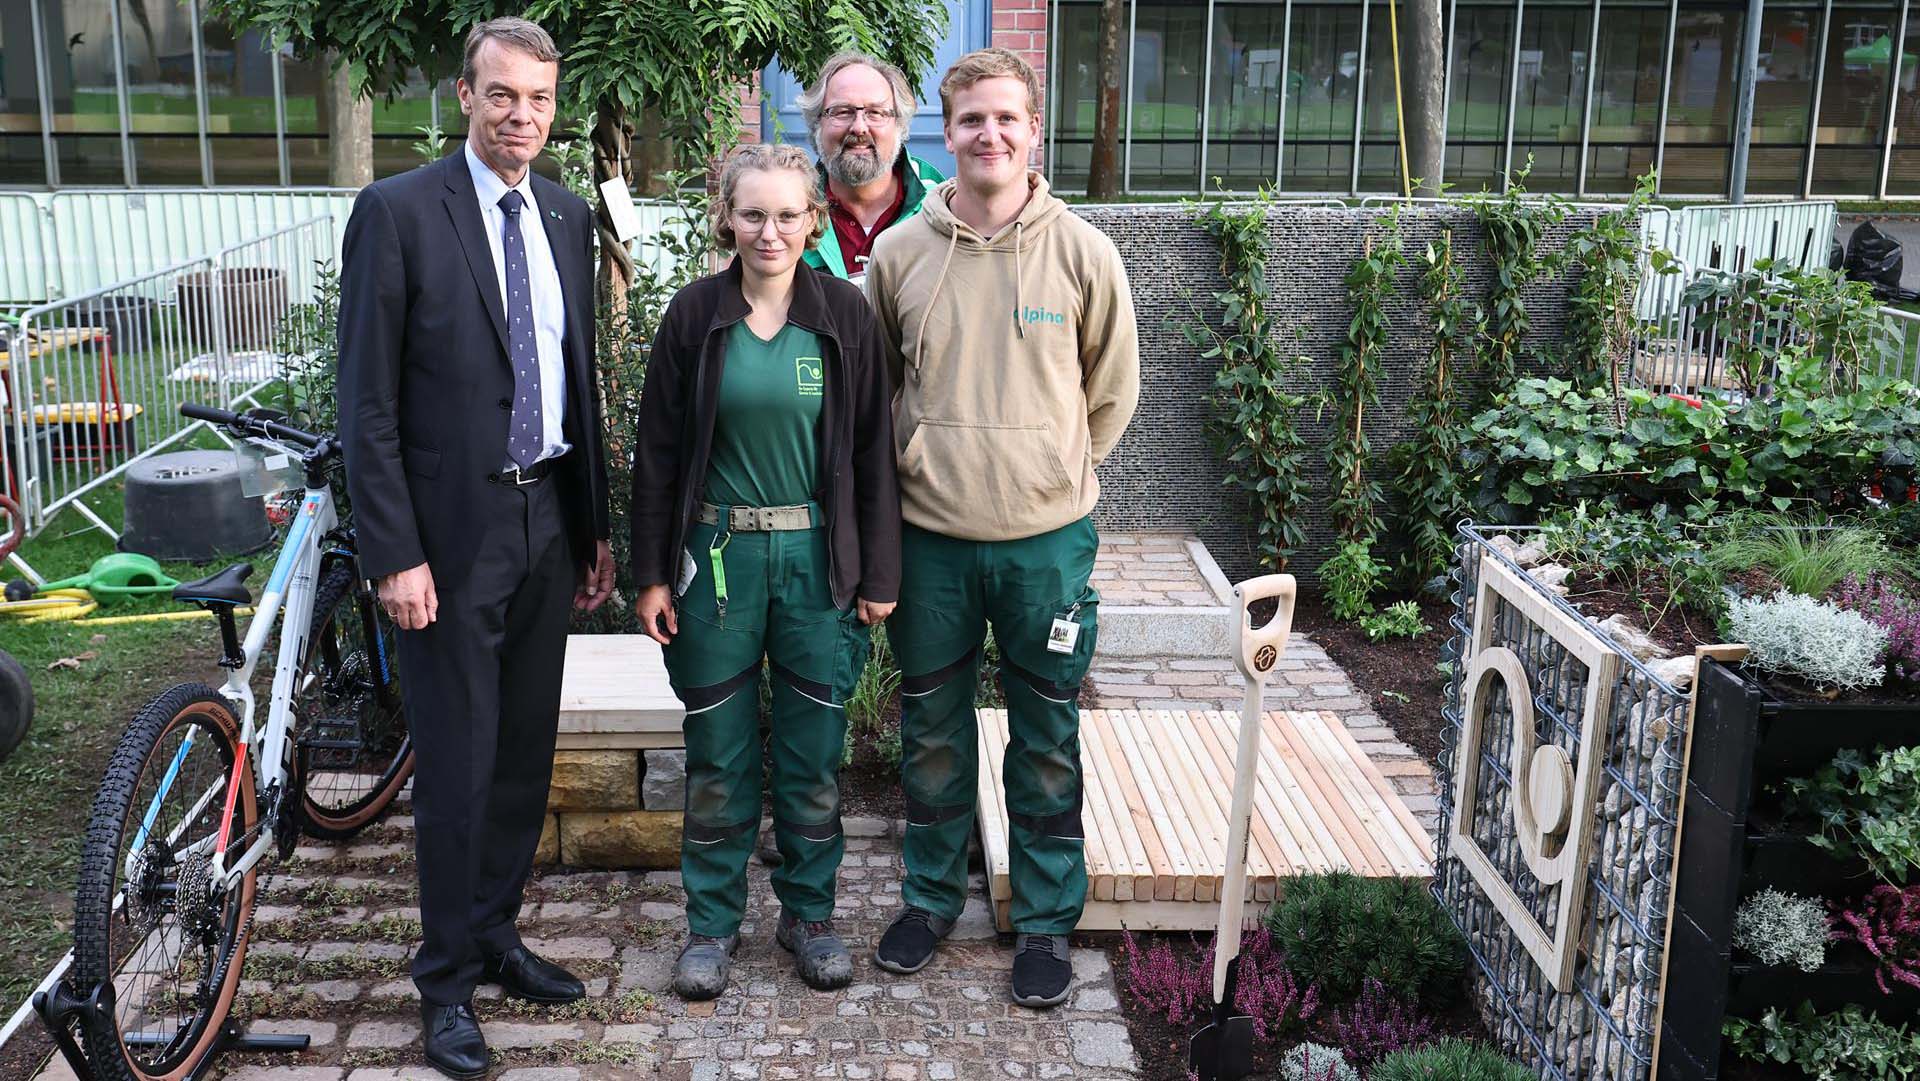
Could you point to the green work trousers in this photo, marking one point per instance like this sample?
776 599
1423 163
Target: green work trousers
779 607
951 591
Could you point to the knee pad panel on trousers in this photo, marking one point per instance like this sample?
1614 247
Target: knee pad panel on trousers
808 688
926 683
1058 824
701 699
699 832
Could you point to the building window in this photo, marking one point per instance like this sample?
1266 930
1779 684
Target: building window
1551 96
1904 179
158 39
1322 91
1167 73
23 155
1625 128
1853 100
86 96
1479 62
1243 111
242 128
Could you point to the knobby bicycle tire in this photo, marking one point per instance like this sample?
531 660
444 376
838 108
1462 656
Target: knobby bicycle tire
338 598
116 808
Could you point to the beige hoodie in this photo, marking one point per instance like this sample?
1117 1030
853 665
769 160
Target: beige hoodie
1015 362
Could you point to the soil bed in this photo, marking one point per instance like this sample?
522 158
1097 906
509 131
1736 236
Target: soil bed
1398 674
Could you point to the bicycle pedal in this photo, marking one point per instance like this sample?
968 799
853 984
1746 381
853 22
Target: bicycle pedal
332 743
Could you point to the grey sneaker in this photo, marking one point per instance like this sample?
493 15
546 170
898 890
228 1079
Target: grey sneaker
1041 971
822 958
701 972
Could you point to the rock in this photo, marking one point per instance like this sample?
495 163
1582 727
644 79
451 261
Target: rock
1675 672
1630 638
1552 576
1101 1044
547 852
664 785
626 839
1529 553
594 781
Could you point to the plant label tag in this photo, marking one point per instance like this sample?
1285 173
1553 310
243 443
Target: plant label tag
276 462
619 201
1064 635
689 570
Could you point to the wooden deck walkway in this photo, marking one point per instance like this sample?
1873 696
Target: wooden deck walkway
1157 787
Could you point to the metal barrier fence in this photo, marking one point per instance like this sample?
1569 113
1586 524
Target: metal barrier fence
78 240
1737 236
94 383
1567 927
1676 348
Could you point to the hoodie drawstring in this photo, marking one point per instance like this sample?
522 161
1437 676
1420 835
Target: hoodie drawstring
1018 285
920 336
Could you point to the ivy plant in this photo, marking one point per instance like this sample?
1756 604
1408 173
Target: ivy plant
1850 1043
1353 497
1867 806
1253 410
1514 223
1429 481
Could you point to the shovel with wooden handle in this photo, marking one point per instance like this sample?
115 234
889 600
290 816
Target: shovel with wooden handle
1223 1050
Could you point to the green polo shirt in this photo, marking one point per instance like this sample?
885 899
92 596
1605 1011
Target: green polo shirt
765 442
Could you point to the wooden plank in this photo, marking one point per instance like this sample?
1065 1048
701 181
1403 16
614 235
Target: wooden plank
1409 824
1357 797
1095 756
1209 815
1318 850
1268 860
1114 842
1323 803
1359 821
1188 804
992 808
617 683
1127 737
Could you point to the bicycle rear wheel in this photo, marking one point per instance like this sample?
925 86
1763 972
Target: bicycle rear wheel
149 915
350 744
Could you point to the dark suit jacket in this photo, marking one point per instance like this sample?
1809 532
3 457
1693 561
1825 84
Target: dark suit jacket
424 377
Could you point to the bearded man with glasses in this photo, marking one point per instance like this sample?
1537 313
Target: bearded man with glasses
857 114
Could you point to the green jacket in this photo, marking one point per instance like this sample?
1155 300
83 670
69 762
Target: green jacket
921 178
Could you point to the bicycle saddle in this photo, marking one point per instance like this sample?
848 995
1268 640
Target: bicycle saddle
222 587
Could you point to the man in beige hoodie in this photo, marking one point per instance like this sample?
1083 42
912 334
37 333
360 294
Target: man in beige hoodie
1016 362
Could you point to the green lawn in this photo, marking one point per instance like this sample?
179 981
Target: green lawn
46 786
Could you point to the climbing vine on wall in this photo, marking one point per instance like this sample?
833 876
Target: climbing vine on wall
1253 412
1352 573
1428 479
1606 255
1514 224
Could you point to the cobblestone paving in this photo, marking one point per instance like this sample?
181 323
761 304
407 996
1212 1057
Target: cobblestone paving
337 926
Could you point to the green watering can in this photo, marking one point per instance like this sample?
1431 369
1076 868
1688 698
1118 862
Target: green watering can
117 576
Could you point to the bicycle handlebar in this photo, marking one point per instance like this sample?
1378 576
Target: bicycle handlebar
257 425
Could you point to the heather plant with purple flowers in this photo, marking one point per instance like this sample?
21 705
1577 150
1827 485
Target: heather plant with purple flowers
1182 990
1887 923
1885 604
1377 1024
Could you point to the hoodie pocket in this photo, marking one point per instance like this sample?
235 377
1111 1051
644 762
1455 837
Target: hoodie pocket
996 471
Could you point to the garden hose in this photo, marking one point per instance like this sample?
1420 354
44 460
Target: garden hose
50 606
1399 102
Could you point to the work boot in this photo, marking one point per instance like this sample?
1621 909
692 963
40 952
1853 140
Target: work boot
768 849
1041 971
704 963
908 943
822 958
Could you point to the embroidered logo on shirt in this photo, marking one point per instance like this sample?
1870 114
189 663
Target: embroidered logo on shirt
808 376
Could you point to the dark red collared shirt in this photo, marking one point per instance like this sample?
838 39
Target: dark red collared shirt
856 243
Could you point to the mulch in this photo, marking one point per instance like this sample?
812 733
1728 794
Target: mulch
1399 674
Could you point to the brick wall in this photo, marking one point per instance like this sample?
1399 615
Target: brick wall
1165 475
1021 25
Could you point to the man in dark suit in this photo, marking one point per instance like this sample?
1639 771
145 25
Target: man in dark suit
472 433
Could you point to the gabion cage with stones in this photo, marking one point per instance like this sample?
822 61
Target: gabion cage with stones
1603 1026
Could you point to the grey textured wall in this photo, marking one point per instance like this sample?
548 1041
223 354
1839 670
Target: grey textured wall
1165 474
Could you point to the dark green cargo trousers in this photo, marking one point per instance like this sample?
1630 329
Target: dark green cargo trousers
1029 591
778 606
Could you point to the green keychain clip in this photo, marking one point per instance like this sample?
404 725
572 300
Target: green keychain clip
715 554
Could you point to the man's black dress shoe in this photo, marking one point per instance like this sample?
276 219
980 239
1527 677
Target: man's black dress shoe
525 974
451 1037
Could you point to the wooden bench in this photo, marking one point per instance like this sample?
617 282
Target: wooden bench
1157 784
615 695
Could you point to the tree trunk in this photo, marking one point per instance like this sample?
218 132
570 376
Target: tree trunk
1423 57
349 129
1103 174
613 157
653 153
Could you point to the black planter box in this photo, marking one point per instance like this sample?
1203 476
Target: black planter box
1747 740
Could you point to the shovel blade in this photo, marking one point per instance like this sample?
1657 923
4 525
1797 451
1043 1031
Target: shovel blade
1223 1051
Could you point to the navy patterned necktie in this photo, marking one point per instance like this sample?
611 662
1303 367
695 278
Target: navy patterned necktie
524 436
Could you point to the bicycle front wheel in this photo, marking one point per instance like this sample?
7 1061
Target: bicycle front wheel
350 741
149 915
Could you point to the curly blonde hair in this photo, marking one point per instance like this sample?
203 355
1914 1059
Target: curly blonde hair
764 157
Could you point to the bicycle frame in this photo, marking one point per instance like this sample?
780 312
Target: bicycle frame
289 595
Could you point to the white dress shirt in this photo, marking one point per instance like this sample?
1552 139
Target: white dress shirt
543 277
